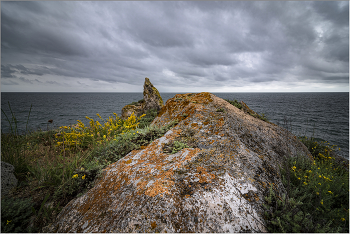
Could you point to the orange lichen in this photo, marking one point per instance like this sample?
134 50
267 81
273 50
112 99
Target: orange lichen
153 225
194 125
129 161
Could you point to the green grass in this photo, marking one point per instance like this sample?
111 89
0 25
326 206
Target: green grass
239 106
317 198
53 167
234 103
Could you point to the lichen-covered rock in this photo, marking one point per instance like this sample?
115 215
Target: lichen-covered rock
127 110
8 179
217 184
152 100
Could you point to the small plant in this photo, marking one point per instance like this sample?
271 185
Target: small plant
263 117
138 103
220 110
15 215
150 115
234 103
174 147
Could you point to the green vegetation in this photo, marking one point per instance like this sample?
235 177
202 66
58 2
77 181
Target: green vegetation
15 215
234 103
239 106
317 198
262 116
174 147
53 167
139 102
184 140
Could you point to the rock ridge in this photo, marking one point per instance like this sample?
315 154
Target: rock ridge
217 184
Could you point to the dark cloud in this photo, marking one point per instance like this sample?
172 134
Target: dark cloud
25 80
7 72
176 44
338 13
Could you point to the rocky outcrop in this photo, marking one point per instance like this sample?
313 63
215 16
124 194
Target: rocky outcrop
151 100
217 183
8 179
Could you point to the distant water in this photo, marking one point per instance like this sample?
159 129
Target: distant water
322 115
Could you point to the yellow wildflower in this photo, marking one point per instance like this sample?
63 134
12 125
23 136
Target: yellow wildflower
317 193
83 177
8 221
342 219
319 183
321 202
104 136
75 176
305 183
330 192
298 178
293 168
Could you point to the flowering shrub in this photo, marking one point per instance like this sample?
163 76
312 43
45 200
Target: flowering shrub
82 136
318 194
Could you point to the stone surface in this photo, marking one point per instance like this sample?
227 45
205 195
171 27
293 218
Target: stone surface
127 110
152 100
8 179
216 185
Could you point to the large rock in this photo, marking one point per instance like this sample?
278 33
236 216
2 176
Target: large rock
217 184
8 179
151 100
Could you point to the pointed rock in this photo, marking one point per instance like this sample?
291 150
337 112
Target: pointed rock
151 100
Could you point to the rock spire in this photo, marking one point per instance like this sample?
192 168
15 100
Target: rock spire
151 100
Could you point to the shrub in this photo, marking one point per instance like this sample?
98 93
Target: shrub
317 198
15 215
234 103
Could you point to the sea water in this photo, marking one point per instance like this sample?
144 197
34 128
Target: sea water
321 115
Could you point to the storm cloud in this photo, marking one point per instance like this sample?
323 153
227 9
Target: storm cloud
227 46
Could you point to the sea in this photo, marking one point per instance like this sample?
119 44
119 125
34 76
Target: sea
324 116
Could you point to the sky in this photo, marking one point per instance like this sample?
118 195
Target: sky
221 46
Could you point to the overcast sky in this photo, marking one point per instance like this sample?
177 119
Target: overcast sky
181 46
